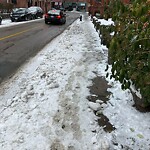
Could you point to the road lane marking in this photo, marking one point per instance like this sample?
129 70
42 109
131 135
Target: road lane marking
13 35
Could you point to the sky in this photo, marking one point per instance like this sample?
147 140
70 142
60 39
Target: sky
44 106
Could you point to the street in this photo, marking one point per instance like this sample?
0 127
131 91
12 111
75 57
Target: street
19 43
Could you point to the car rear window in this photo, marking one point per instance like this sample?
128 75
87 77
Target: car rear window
54 12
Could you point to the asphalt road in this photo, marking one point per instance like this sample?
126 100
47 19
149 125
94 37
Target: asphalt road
20 42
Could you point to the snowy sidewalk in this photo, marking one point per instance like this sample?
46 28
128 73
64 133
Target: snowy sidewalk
44 105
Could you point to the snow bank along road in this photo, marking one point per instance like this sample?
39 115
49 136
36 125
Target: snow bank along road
44 105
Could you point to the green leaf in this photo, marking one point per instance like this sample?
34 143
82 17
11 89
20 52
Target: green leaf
140 136
132 129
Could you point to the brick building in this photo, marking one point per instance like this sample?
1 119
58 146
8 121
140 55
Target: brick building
44 4
97 6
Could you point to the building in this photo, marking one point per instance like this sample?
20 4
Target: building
80 5
44 4
97 6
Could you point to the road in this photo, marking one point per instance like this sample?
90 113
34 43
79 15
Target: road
20 42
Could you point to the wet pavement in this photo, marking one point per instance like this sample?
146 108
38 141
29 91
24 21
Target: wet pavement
99 91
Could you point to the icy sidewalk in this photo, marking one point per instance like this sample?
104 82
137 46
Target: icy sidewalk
44 106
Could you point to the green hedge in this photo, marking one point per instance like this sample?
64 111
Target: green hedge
129 48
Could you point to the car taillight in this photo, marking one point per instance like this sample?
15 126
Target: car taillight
46 15
59 17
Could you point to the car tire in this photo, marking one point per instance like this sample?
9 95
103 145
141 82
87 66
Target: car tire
33 16
61 22
46 22
41 16
36 17
26 18
30 18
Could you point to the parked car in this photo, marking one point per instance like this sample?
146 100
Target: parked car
36 11
0 19
21 14
69 8
62 9
55 16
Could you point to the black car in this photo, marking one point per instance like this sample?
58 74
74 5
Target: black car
62 9
55 16
0 19
21 14
36 11
69 8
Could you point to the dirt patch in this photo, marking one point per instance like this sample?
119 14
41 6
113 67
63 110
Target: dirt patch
139 105
104 122
99 92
